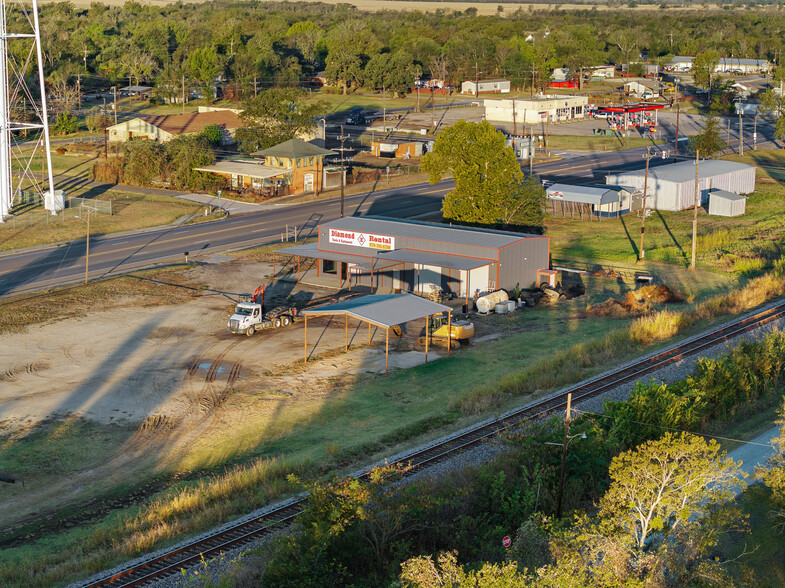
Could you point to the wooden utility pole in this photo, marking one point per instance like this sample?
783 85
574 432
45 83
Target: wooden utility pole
678 112
755 134
741 132
476 80
514 123
567 419
343 169
728 149
87 250
114 88
695 215
643 210
183 100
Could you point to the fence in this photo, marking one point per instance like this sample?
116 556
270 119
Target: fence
96 206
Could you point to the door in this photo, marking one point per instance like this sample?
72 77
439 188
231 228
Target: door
308 185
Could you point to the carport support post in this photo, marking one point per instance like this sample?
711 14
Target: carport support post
427 321
387 351
449 331
305 346
369 333
371 284
298 269
346 332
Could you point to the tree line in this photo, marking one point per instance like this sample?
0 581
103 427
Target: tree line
244 47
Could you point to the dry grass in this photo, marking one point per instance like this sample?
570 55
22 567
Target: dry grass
142 289
658 327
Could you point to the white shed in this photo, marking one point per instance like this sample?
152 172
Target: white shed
724 203
672 186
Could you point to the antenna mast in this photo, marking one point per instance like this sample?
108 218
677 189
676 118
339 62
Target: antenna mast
20 111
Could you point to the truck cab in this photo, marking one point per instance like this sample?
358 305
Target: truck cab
247 316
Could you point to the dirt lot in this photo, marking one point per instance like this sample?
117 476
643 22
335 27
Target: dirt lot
161 379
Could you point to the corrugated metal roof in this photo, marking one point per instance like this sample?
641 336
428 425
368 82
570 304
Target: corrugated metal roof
192 122
310 250
251 170
438 259
584 194
685 171
430 231
725 195
386 310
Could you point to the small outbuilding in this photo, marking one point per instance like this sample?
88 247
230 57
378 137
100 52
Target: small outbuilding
397 150
485 87
723 203
672 186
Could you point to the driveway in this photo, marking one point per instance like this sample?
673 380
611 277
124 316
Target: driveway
229 205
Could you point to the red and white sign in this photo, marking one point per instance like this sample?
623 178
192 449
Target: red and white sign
357 239
556 194
507 541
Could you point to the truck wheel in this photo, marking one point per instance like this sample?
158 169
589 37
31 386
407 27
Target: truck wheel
286 321
251 330
277 323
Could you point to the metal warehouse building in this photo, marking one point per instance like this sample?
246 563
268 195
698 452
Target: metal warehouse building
672 186
410 255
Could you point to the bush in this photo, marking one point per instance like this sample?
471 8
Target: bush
658 326
65 124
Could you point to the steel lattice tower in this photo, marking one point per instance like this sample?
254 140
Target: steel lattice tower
18 57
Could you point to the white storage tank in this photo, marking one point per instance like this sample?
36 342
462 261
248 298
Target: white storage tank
511 305
486 303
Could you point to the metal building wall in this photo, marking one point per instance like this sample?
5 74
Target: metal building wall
520 262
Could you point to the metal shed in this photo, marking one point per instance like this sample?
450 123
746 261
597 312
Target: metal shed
597 201
406 255
723 203
672 186
382 310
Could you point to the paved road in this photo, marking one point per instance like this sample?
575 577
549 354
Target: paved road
31 270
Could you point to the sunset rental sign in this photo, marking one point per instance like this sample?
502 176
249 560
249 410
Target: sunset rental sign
368 240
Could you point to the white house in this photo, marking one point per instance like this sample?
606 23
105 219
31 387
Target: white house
541 108
485 87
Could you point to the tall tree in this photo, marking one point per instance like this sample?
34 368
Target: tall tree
490 188
703 67
709 141
274 116
666 484
773 103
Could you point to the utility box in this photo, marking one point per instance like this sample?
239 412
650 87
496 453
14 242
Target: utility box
546 276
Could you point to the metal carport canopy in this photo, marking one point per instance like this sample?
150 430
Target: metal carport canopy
383 310
583 194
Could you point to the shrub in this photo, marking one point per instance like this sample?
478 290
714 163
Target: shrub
65 124
658 326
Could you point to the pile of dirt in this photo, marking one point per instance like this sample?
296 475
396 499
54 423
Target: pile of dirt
612 308
656 294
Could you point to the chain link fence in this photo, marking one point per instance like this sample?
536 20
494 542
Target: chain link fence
75 208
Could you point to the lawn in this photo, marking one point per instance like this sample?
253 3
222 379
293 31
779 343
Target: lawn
34 226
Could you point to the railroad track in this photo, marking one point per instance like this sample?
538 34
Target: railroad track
172 562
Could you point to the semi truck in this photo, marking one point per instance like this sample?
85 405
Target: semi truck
249 317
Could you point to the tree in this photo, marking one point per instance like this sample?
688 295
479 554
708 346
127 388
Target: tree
490 188
395 72
344 66
274 116
703 67
205 66
709 141
422 572
773 103
666 484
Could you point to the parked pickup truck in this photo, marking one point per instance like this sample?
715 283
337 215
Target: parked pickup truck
248 318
